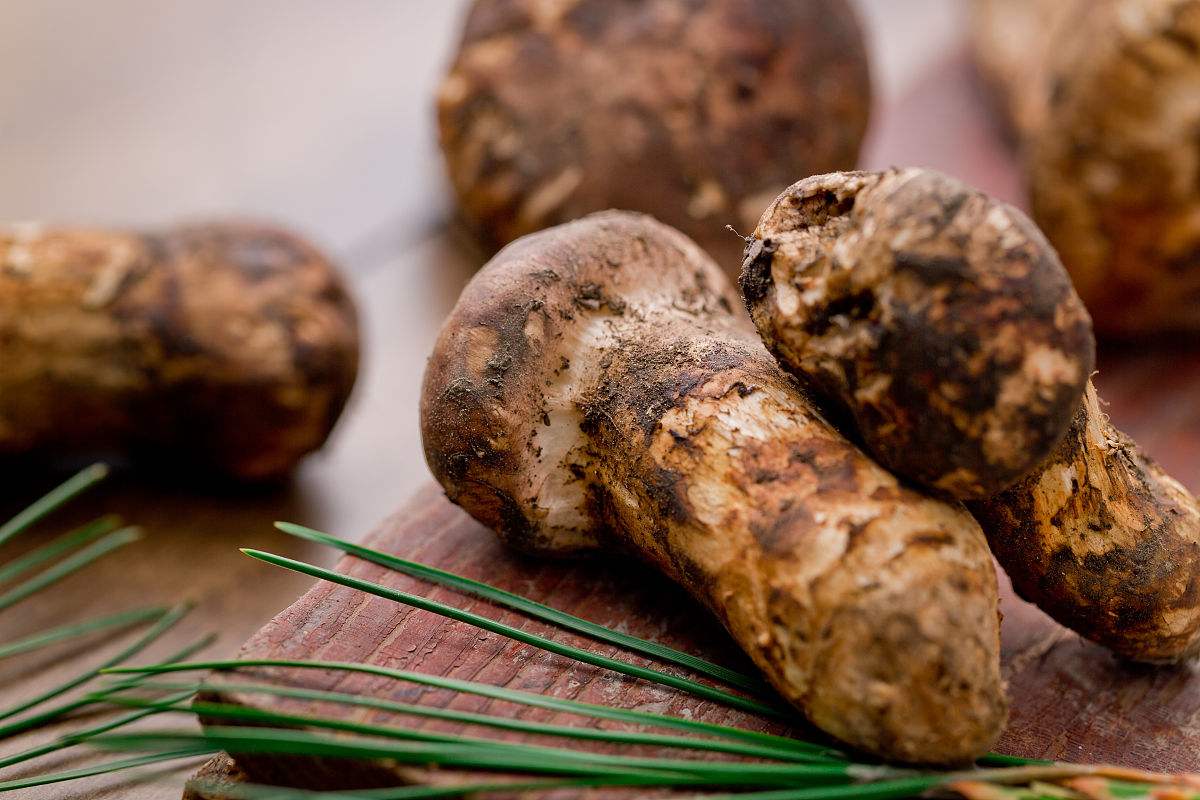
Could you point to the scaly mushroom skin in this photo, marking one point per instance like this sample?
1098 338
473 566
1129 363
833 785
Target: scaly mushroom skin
937 318
596 388
1101 95
695 111
229 348
1105 542
953 288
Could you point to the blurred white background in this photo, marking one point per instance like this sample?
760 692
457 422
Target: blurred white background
315 113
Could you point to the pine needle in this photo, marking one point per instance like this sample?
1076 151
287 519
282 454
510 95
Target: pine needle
509 723
497 693
177 657
531 608
161 626
261 717
74 563
880 790
71 631
78 737
99 769
253 791
484 623
503 757
68 489
57 547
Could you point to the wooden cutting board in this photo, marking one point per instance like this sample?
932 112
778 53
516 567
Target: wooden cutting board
1071 700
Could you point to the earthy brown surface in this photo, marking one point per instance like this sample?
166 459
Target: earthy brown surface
696 111
937 318
944 324
229 346
1105 541
599 388
1101 95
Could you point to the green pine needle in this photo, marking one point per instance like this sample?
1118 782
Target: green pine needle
71 631
78 737
164 623
82 558
531 608
1124 790
509 723
241 791
494 692
880 790
99 769
503 757
253 791
484 623
57 547
186 652
68 489
266 718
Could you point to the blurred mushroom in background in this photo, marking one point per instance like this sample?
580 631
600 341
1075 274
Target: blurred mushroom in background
1103 99
228 348
698 112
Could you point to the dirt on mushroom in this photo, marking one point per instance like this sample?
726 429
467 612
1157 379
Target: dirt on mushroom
938 319
650 419
943 324
229 347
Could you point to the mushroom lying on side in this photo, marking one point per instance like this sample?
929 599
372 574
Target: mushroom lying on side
596 388
227 347
963 361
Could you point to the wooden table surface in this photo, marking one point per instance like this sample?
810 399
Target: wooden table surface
134 112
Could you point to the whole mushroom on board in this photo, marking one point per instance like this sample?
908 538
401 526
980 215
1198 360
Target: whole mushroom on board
696 111
596 388
227 347
1103 97
963 362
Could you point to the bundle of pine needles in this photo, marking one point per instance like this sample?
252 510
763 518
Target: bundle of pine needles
736 762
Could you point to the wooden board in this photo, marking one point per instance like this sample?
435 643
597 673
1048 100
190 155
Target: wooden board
1071 699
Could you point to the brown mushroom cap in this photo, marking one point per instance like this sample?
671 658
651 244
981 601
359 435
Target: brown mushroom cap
696 111
937 318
